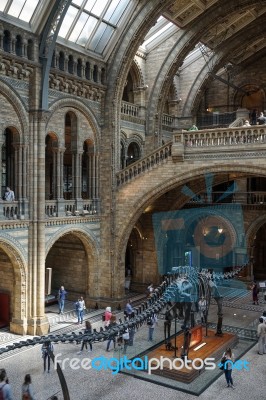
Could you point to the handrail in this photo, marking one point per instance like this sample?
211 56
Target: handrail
147 163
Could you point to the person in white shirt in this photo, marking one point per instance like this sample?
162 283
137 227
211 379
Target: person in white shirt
9 195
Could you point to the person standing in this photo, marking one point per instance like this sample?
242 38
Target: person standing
202 309
107 316
150 289
151 321
61 299
264 316
9 195
261 333
27 393
129 312
255 292
254 117
261 120
5 388
228 366
87 331
47 349
111 336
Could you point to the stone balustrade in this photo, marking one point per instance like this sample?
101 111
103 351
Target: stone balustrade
129 109
222 137
152 160
72 207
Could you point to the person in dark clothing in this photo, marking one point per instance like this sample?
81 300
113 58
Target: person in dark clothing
87 331
47 349
111 337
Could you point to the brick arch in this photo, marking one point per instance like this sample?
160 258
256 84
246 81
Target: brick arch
15 100
91 246
19 287
73 104
253 229
144 200
137 74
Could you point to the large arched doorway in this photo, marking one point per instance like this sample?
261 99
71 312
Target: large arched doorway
68 260
13 290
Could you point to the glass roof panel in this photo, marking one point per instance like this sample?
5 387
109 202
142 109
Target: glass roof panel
97 36
96 6
93 22
78 2
104 39
115 12
22 9
26 13
79 25
87 30
68 20
15 7
3 4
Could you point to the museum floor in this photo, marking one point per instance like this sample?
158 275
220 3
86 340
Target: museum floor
92 384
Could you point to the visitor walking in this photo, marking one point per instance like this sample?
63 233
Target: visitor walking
47 349
27 391
87 331
261 333
5 389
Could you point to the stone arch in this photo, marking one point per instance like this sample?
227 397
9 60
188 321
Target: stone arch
137 74
193 174
253 229
91 247
19 293
16 102
73 104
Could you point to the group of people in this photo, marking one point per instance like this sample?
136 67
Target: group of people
257 118
5 388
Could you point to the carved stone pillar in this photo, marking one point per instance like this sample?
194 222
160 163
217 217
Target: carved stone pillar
37 321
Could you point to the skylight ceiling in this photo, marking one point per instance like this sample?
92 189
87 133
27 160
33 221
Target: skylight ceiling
92 23
160 32
21 9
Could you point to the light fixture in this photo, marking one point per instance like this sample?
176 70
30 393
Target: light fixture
220 229
200 346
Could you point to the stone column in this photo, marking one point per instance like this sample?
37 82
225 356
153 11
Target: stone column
59 167
77 176
37 321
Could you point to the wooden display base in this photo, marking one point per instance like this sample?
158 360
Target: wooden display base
214 348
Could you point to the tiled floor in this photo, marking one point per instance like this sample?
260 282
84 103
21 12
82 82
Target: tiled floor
91 384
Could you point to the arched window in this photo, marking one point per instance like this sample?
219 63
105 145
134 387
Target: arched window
133 153
122 155
18 46
128 94
70 65
6 41
88 71
79 68
103 77
95 73
30 50
61 61
50 169
8 161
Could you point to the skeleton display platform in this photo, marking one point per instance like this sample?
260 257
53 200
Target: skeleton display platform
214 348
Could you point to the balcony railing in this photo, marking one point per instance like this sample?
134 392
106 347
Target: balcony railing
10 210
129 109
168 120
147 163
221 137
72 207
253 198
